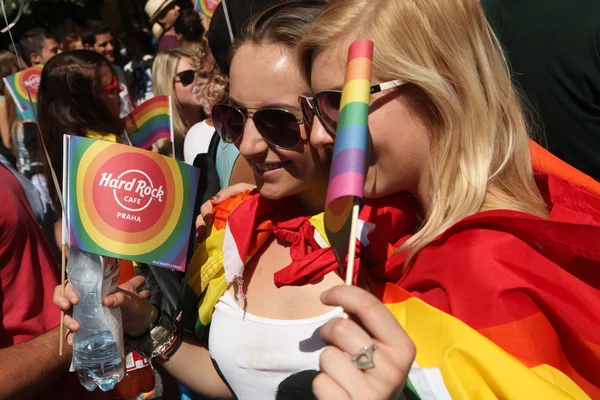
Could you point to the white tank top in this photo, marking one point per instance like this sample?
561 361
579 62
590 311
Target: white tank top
259 357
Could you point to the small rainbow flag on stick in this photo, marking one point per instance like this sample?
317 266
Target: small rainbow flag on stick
18 85
206 7
128 203
150 122
347 177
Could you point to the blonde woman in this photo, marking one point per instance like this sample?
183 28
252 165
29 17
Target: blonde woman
174 74
505 255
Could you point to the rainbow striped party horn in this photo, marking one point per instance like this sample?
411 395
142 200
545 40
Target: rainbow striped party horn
348 167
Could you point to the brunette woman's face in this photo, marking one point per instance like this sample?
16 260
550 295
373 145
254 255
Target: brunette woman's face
110 96
400 140
185 91
267 76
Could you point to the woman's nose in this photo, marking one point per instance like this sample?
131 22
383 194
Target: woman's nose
252 144
319 138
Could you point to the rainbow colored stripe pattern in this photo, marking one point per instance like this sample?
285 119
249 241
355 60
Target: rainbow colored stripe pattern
475 364
347 176
206 7
129 203
18 84
150 122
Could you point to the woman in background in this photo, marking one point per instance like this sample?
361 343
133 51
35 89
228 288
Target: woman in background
78 96
174 74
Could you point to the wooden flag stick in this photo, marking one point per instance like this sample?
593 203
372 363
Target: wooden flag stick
352 245
62 292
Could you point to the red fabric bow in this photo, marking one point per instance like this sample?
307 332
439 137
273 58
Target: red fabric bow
288 221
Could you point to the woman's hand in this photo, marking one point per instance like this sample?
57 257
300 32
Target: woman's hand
137 312
205 219
392 355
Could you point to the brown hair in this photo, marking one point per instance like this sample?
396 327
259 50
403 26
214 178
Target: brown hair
70 40
283 24
70 101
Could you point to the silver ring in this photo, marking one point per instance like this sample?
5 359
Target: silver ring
363 359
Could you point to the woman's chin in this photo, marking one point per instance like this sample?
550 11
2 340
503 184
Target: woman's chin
273 192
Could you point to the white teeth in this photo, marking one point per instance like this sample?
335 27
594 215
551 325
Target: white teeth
267 167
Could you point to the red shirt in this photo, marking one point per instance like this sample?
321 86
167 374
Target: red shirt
28 272
28 276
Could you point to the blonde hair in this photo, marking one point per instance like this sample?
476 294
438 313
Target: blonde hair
211 82
163 71
479 144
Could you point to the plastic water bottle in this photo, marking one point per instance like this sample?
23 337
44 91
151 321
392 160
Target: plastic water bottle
97 346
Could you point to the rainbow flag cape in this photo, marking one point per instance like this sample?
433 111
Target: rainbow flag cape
18 85
128 203
347 176
547 163
149 122
206 7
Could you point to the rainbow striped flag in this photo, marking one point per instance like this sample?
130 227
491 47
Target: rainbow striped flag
206 7
149 122
465 363
128 203
347 176
18 85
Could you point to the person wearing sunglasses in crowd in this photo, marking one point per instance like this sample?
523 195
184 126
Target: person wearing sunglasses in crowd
264 340
79 95
173 74
504 251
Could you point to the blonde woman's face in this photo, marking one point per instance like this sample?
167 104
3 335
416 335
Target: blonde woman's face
266 76
186 94
400 156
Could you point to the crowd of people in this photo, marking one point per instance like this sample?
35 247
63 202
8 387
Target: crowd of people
460 217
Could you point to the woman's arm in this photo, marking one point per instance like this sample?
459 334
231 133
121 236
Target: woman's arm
191 364
193 367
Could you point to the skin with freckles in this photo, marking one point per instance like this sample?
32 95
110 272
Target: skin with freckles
302 171
400 157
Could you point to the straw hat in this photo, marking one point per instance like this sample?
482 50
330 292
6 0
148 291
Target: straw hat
153 8
157 30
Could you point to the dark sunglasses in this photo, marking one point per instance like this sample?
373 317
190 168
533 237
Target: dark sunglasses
326 105
185 77
278 127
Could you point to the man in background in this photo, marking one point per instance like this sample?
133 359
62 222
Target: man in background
38 46
98 37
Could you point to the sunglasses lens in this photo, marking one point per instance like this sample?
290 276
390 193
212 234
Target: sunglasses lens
187 77
280 128
328 104
229 122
